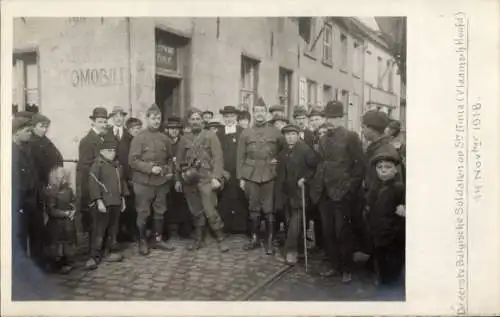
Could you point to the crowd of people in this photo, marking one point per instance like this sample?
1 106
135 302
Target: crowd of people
147 182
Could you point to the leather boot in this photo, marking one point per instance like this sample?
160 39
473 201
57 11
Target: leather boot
158 242
143 244
268 244
223 247
254 242
197 242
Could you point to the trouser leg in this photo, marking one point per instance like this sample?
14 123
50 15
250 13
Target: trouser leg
99 222
144 196
113 227
159 210
344 234
195 205
254 231
209 202
294 229
328 230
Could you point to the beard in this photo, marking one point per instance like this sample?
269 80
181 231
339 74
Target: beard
196 128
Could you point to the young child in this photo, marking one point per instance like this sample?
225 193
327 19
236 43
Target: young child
61 230
297 163
385 219
107 190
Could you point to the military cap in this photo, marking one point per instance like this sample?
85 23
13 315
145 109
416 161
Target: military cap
376 120
334 109
290 128
154 109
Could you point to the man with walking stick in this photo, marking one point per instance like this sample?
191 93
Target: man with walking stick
297 163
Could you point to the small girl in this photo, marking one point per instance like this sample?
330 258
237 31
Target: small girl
61 230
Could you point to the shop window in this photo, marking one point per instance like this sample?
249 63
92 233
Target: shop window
25 84
249 81
285 87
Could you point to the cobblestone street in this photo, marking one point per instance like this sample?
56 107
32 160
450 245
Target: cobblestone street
210 275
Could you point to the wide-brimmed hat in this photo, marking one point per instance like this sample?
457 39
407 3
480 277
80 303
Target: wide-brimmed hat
173 123
19 123
277 108
99 112
39 118
117 110
213 124
228 110
300 112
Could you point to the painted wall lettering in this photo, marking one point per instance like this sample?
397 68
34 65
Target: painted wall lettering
99 77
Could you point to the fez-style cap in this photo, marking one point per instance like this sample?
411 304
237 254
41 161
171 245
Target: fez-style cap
290 128
133 122
376 120
154 109
117 110
99 112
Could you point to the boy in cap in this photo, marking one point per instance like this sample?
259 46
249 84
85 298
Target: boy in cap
207 116
336 184
134 126
279 122
256 169
300 117
296 167
199 174
88 151
387 227
107 191
150 159
244 118
213 126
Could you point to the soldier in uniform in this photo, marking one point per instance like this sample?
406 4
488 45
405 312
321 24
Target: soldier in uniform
178 217
152 171
199 174
337 181
232 204
256 169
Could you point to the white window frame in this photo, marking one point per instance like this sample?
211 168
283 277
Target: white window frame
356 58
249 81
380 72
21 92
344 51
327 57
285 88
312 93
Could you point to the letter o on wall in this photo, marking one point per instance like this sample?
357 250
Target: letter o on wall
75 78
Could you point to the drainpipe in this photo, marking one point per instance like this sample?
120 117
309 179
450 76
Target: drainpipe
129 51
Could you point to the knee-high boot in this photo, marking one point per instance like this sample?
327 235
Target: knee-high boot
198 238
158 242
143 244
254 242
269 246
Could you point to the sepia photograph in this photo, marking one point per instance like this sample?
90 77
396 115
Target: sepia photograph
209 158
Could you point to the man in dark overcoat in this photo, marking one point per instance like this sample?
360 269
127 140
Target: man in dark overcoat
256 170
337 180
178 218
88 151
232 205
301 119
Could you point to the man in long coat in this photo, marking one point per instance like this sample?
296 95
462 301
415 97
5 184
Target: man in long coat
88 151
337 180
232 205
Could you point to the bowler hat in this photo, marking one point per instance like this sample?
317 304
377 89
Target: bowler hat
228 110
173 123
277 108
19 123
117 110
290 128
334 109
376 120
99 112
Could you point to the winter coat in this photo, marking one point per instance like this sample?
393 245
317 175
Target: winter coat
45 157
106 182
341 167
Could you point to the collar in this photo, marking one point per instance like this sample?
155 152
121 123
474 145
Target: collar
96 132
230 129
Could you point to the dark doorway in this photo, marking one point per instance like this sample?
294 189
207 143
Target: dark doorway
167 95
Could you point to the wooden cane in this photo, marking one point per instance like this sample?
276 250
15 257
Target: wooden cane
304 223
